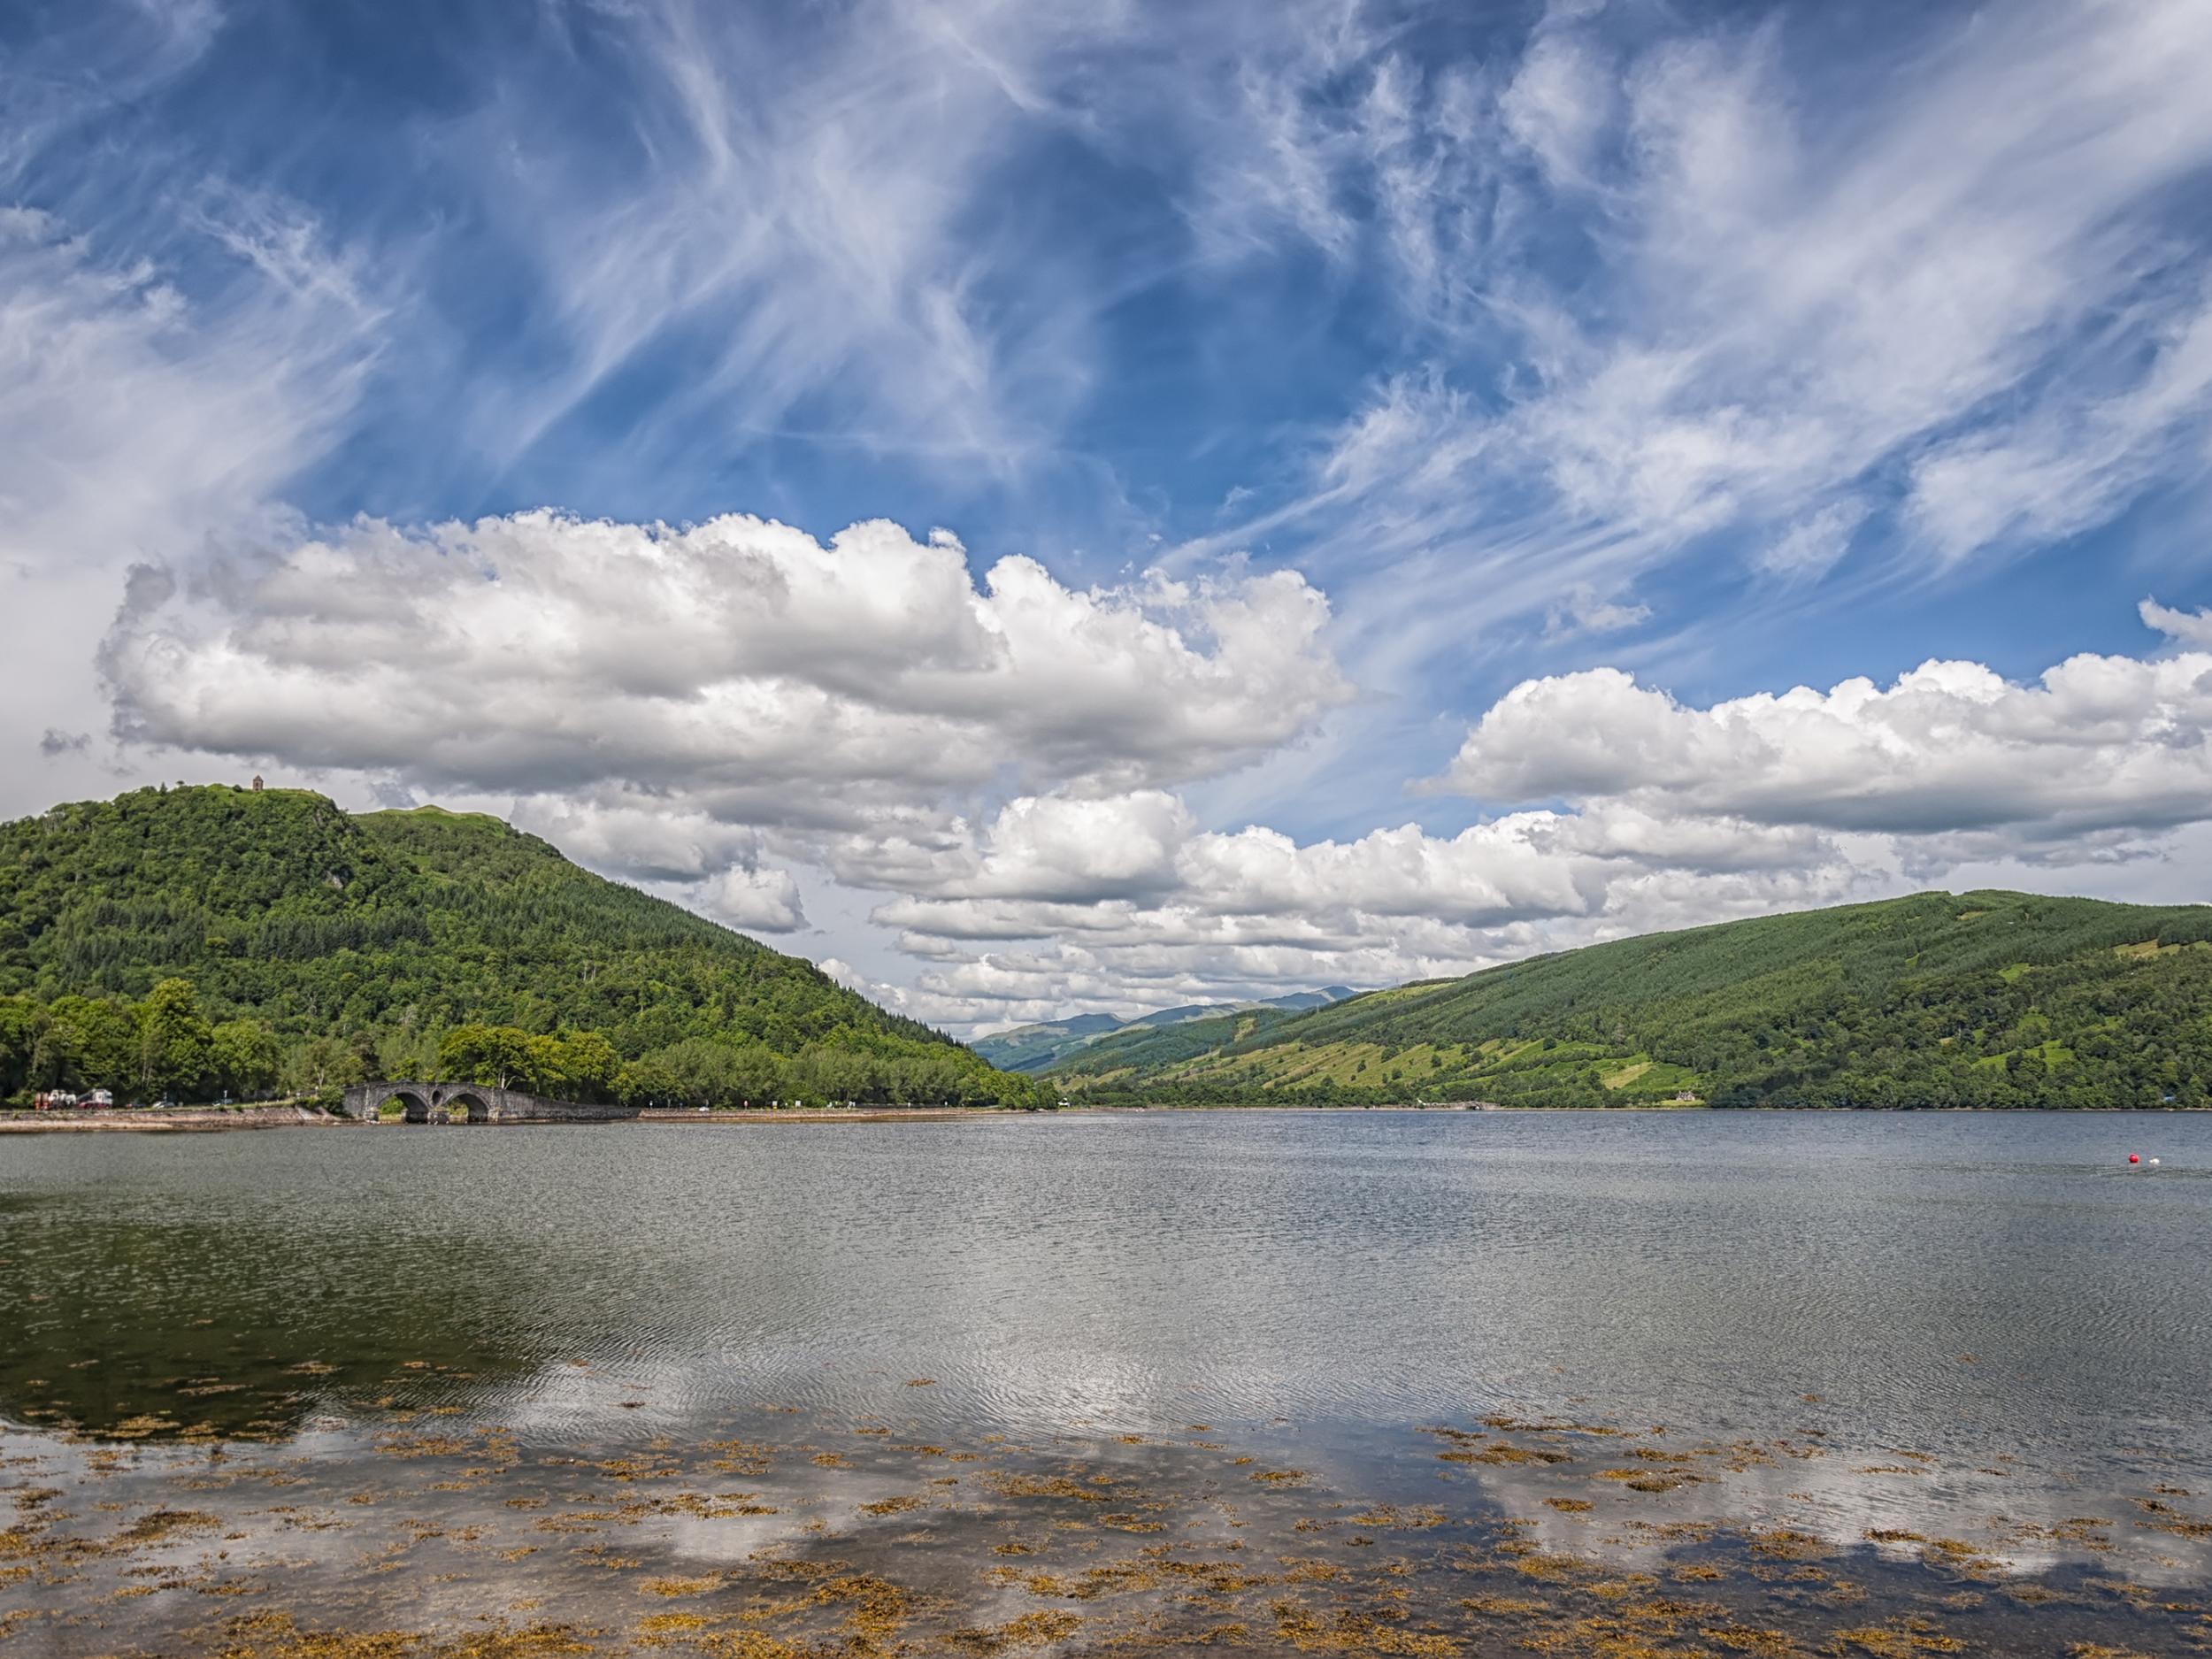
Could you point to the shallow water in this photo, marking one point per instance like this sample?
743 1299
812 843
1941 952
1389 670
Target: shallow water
1983 1331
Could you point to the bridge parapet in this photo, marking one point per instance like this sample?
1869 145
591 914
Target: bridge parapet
435 1102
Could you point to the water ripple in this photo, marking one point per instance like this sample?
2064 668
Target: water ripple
1975 1286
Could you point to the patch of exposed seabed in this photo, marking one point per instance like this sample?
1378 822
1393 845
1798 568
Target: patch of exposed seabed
419 1526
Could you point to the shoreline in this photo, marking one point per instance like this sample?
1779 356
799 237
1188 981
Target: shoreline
184 1120
1140 1534
214 1120
219 1120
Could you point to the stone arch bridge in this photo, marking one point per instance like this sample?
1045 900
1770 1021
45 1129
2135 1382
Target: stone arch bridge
476 1103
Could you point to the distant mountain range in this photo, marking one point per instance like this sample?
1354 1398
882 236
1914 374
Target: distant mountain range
1035 1048
1973 999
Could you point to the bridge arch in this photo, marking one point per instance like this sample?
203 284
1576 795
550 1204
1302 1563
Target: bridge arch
431 1102
463 1105
413 1108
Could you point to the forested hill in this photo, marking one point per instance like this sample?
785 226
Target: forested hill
296 947
1980 999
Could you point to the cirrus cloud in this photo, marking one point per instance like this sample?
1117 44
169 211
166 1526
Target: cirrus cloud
2191 627
1551 347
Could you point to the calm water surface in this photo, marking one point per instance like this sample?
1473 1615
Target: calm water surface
1952 1325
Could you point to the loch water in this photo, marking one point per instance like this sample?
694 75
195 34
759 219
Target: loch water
1950 1356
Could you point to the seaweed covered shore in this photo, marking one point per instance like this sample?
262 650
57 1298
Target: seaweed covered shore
386 1530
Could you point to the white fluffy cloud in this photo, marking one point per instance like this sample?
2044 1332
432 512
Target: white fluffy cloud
754 900
1071 851
1260 915
640 837
1205 914
693 708
766 677
2097 743
700 709
1633 811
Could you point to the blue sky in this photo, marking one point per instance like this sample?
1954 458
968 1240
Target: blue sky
1394 462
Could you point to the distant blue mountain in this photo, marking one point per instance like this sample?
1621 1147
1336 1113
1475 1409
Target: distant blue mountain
1034 1048
1322 998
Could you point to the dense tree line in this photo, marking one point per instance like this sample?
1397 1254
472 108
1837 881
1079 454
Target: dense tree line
1980 1000
715 1072
315 948
162 1047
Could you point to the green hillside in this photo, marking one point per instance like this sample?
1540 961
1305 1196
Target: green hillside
1981 999
197 941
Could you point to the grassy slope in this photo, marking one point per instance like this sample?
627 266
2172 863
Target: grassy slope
1985 998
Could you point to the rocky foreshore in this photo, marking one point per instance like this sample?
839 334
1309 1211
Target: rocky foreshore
185 1120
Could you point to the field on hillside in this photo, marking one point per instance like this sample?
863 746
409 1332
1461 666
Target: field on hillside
1982 999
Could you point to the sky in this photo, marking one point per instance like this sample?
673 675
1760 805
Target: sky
1044 509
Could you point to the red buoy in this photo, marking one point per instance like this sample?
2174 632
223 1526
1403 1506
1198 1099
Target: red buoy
2135 1157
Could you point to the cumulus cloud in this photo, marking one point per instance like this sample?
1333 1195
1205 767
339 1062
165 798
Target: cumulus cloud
1631 811
694 708
766 677
753 900
2096 743
1015 962
698 709
1257 886
1072 851
642 837
1256 913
